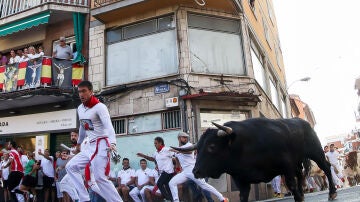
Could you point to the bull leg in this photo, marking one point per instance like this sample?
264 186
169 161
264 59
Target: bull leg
325 166
293 186
244 190
300 179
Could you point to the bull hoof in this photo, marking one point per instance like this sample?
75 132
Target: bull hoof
332 196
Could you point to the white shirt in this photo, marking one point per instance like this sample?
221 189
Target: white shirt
95 122
48 167
24 160
5 171
14 60
186 160
333 157
125 175
156 175
23 59
143 176
164 160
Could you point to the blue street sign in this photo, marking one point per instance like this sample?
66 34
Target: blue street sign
162 88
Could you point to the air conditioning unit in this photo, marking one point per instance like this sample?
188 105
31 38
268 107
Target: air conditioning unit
172 102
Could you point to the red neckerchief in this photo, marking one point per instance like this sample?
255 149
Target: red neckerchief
160 148
91 102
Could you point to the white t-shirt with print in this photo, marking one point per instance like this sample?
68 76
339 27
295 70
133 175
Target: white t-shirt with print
143 176
125 175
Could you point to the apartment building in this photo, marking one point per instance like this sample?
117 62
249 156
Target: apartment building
168 66
36 109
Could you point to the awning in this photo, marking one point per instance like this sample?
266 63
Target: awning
25 23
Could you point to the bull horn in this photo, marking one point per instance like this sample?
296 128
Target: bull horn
228 130
186 149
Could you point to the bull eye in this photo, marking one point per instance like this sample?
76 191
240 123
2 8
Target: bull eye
211 148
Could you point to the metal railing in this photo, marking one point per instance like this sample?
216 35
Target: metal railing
100 3
11 7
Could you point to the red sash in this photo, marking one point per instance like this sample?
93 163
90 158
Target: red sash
87 168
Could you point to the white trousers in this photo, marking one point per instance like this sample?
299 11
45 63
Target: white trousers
276 184
185 175
134 193
336 177
98 165
67 186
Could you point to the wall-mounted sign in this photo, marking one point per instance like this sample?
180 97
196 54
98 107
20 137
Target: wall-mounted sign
162 88
41 122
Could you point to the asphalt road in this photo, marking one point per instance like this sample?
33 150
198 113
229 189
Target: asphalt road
351 194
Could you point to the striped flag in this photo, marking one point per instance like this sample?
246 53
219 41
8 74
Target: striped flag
46 71
2 76
21 74
77 73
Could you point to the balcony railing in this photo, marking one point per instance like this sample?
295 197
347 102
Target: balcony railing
11 7
100 3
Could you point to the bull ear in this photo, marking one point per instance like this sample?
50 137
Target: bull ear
222 133
226 129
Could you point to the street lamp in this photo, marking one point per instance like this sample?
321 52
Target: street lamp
302 79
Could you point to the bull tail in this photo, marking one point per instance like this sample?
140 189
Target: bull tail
307 166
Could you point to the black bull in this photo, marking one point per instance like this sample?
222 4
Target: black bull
256 150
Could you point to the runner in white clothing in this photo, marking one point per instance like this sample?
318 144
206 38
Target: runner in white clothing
187 162
95 125
333 157
144 178
66 185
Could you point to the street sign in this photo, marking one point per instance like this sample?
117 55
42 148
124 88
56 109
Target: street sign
162 88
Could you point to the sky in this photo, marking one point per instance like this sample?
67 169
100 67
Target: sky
321 39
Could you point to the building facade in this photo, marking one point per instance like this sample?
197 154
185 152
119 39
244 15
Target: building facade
301 110
168 66
36 110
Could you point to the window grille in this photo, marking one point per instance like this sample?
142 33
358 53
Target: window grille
171 119
119 126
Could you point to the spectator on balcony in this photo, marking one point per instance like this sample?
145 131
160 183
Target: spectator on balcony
32 54
41 51
62 50
25 57
20 54
13 58
3 59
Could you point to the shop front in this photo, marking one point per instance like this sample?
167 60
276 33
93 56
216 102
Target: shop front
40 130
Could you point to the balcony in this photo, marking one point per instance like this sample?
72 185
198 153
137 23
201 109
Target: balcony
15 10
100 3
13 7
105 10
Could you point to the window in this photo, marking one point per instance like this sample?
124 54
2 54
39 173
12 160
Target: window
283 108
215 45
277 53
148 46
266 32
219 116
259 72
145 123
171 119
270 11
252 4
274 94
119 126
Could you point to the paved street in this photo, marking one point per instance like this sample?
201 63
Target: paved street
351 194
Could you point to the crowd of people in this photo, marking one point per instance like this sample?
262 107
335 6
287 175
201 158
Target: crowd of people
344 172
61 51
83 173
